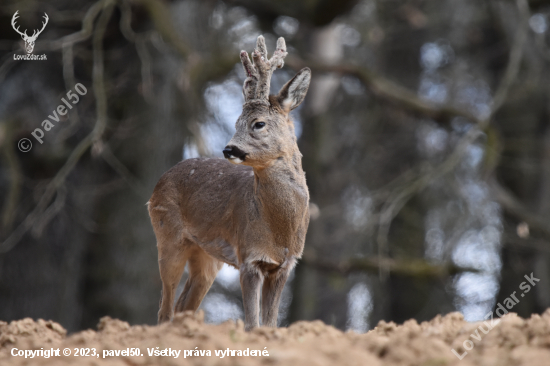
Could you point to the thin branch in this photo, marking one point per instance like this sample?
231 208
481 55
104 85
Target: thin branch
124 172
161 16
197 69
514 58
97 76
7 63
70 82
50 212
93 138
511 238
540 41
85 32
386 89
515 208
140 42
9 210
405 268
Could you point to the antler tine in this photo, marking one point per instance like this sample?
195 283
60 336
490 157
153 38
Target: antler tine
13 19
46 18
249 86
266 67
43 24
278 59
261 47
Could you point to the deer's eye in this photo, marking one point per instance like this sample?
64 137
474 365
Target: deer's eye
258 125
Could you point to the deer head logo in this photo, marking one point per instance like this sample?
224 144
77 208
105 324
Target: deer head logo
29 41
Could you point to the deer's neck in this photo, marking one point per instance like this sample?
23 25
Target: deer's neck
282 191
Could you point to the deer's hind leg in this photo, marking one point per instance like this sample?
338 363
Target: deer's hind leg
171 266
172 255
202 272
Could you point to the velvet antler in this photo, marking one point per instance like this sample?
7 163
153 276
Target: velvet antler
258 74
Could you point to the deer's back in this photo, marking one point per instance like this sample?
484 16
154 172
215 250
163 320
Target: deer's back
208 194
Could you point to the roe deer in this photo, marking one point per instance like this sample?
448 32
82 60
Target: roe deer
249 210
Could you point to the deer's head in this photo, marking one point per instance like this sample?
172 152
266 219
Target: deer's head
264 131
29 40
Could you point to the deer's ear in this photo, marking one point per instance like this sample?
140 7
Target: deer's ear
294 92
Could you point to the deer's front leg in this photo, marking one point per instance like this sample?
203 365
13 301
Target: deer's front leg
273 286
251 280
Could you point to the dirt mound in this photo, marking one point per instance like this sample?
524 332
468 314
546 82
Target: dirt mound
447 340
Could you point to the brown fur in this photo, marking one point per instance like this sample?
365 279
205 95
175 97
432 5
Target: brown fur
253 216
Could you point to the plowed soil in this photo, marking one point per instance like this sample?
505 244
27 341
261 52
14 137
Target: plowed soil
513 341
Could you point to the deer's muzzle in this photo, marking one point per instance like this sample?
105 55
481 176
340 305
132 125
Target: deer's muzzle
234 154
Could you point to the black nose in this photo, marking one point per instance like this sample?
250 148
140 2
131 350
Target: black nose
231 151
227 151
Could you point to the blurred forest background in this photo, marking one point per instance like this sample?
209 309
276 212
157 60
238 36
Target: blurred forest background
425 135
